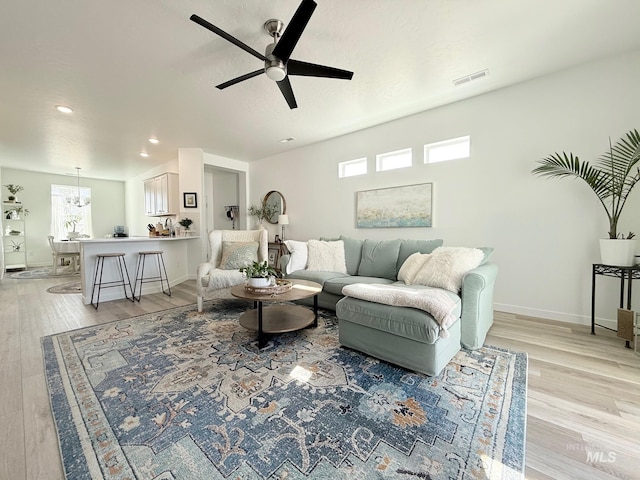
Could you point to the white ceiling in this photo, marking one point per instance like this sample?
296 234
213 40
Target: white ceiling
141 68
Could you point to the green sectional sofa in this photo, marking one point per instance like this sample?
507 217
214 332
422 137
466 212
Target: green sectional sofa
404 335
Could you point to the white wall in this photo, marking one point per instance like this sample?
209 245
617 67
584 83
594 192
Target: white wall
107 207
221 189
545 232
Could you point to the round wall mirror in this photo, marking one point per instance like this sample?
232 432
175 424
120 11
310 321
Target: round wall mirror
275 200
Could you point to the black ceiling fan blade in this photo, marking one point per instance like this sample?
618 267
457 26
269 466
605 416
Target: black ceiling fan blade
296 67
239 79
287 92
294 30
226 36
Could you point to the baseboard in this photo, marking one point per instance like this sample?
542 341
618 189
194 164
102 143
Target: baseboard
551 315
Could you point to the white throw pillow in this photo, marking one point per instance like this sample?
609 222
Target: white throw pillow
447 266
412 266
326 256
298 257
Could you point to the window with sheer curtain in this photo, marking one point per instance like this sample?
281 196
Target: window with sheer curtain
65 207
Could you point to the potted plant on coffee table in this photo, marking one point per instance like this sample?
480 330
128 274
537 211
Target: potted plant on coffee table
611 178
259 274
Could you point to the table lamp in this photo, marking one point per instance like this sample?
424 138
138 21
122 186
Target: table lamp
283 220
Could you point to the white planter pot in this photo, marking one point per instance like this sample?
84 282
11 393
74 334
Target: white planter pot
259 282
617 252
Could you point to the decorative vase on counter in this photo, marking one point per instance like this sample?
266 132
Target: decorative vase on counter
617 252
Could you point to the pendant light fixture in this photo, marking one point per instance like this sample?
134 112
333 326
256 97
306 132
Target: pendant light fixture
78 201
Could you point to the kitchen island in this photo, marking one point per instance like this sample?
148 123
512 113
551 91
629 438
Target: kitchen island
175 258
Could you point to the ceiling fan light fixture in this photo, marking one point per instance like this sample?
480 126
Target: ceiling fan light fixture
276 72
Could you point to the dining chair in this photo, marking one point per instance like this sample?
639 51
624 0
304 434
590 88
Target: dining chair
59 257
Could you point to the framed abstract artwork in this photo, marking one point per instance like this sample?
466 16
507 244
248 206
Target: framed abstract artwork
406 206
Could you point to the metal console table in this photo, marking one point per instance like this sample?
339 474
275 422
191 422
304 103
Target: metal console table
625 274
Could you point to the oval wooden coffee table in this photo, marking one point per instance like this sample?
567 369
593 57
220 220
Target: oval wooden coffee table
279 318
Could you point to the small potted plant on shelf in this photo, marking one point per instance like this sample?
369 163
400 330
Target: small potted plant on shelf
14 213
15 246
259 274
13 190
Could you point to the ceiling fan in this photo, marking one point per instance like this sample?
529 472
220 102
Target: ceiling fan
277 62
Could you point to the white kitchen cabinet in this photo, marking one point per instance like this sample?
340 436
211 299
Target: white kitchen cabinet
161 195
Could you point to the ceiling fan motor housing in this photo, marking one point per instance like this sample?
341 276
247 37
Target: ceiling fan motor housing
274 67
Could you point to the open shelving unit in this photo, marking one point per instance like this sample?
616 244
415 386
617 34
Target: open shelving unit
14 238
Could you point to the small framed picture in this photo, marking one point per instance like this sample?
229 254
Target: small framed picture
274 256
277 239
190 200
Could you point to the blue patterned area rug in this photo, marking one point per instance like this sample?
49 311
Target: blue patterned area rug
182 395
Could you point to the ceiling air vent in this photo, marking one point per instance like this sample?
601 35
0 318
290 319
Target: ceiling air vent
471 77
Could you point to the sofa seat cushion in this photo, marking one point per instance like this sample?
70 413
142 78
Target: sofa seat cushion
315 276
404 322
334 285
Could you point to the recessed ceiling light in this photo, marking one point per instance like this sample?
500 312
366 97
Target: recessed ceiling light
144 154
153 140
287 140
64 109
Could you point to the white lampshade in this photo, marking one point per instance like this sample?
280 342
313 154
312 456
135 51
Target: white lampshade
283 219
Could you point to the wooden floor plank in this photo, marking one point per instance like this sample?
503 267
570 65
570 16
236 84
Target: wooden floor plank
13 463
583 390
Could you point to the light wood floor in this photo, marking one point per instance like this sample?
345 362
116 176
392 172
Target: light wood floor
583 391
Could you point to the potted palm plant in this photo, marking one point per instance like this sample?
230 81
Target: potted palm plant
611 178
259 274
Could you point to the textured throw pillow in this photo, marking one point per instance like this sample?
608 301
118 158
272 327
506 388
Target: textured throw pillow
326 256
409 246
447 266
298 255
236 255
487 251
412 266
379 259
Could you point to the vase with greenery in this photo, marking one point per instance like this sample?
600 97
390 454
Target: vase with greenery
612 178
262 211
259 274
14 213
13 190
70 222
186 222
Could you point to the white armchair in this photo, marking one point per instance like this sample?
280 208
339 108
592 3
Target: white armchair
210 277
